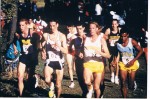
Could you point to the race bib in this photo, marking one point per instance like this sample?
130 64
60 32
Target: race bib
113 40
112 43
27 49
53 56
125 60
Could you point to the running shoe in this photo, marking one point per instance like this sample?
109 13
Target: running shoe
36 82
135 85
101 96
116 80
51 92
72 85
112 79
89 94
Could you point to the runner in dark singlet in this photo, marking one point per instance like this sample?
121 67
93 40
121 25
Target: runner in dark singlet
112 35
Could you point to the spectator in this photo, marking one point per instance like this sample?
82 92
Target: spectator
34 8
116 16
39 25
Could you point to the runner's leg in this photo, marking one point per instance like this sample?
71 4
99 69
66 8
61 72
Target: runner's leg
97 81
21 71
123 75
59 77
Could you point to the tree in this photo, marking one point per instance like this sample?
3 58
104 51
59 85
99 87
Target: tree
10 8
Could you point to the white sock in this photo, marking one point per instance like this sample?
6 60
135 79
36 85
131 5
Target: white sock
52 86
112 74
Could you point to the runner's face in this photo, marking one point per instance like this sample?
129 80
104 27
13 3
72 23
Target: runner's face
93 29
80 30
30 21
53 26
23 26
70 29
124 37
114 24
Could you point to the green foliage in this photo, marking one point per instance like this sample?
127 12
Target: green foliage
9 7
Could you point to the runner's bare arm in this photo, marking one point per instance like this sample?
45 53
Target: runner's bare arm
45 37
105 53
43 52
138 47
140 51
70 46
15 49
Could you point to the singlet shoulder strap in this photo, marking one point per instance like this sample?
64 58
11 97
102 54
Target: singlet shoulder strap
130 42
119 29
58 35
29 32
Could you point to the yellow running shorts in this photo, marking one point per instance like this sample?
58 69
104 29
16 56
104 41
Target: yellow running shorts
134 67
97 67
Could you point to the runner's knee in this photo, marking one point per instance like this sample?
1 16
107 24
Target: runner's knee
96 87
87 82
47 80
58 85
70 67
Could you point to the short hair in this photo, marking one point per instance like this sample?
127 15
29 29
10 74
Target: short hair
54 20
115 20
124 30
97 25
80 23
24 20
70 25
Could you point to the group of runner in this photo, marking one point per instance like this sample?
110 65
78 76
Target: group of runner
85 52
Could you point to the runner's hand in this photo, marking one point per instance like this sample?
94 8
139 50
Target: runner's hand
15 52
131 63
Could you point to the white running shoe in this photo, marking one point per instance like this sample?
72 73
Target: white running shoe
116 80
51 92
72 85
89 94
101 96
135 85
112 79
36 83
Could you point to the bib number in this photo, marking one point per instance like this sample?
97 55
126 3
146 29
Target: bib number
27 49
53 56
125 60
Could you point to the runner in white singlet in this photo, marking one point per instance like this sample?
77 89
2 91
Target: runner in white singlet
55 45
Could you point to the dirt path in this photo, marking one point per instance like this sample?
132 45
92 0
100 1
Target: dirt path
8 86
